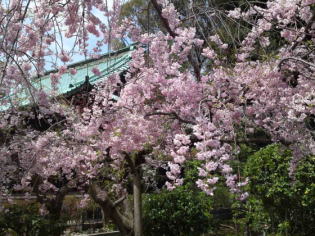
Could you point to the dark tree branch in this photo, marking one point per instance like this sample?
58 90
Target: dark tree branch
110 209
171 114
120 200
307 27
295 59
129 161
165 23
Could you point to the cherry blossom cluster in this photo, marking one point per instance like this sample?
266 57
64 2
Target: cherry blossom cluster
171 101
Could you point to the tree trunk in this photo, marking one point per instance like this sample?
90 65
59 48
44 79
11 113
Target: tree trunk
135 162
111 211
54 206
137 205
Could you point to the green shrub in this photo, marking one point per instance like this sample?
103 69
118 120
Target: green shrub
24 219
280 203
183 211
176 213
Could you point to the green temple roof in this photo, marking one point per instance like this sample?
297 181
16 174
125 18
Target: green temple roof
107 64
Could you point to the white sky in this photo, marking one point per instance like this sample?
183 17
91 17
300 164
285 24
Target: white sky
68 43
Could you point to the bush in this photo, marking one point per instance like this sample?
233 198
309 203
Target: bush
279 202
183 211
23 219
176 213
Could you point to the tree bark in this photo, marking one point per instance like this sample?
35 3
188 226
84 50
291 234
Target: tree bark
137 205
111 211
53 206
135 164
